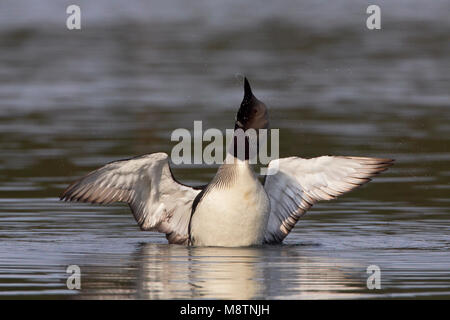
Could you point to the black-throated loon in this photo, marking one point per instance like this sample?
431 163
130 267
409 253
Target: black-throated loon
234 209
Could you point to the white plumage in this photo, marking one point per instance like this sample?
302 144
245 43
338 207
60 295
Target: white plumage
232 215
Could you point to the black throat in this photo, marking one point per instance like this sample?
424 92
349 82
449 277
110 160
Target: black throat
241 148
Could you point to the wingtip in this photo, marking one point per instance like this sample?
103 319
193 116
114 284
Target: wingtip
66 198
63 196
385 162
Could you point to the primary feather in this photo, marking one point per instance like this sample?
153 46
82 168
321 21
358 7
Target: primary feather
158 202
299 183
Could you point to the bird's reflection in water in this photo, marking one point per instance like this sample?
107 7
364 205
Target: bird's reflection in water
158 271
203 272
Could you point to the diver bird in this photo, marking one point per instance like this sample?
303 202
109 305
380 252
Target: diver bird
235 208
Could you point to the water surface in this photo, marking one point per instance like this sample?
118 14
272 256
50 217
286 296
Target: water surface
71 101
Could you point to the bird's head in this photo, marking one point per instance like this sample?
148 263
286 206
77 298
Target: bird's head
251 117
253 113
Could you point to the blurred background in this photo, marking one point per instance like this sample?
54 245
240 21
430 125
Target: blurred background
71 101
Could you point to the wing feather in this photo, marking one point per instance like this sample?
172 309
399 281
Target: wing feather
299 183
158 202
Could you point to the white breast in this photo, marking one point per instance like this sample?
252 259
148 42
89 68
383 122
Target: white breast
232 215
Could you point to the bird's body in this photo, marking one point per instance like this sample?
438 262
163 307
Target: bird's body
234 209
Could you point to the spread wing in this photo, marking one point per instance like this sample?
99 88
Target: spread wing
299 183
158 202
